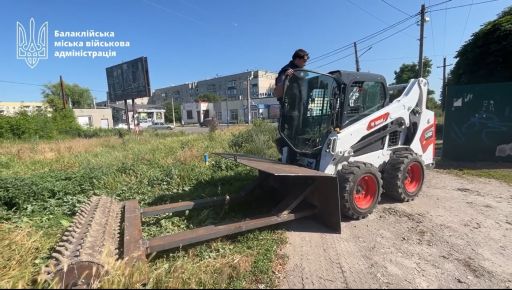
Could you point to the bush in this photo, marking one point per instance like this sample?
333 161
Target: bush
101 132
258 140
41 125
213 125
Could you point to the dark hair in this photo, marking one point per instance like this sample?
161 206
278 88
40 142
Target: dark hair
299 53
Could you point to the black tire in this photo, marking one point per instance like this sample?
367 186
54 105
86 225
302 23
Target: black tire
403 176
360 187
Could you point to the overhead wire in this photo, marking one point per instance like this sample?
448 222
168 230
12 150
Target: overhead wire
361 40
465 5
432 31
382 31
39 85
396 8
465 24
368 46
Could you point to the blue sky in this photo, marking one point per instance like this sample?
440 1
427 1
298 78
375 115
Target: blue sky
190 40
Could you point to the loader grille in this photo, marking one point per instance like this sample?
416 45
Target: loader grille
394 139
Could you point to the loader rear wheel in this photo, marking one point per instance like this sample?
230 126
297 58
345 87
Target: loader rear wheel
360 186
403 176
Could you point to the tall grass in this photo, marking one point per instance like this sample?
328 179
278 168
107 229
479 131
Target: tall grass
43 183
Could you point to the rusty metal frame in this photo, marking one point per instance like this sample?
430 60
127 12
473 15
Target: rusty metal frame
316 193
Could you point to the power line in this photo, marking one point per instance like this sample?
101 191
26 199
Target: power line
460 6
368 46
437 4
432 31
465 24
396 8
367 12
39 85
361 40
19 83
444 39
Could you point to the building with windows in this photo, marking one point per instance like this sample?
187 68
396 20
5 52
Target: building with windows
232 112
258 83
233 91
94 118
11 108
145 115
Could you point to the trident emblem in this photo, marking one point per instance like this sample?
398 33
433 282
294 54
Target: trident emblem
29 49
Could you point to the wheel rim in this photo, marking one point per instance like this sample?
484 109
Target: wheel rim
414 177
365 191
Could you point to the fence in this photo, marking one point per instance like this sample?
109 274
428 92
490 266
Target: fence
478 123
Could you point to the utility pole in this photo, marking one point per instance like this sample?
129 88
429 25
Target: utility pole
249 77
173 121
422 27
62 94
227 113
358 69
443 101
127 114
133 113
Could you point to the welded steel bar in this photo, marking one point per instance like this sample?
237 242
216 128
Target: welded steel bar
292 200
207 233
134 249
202 203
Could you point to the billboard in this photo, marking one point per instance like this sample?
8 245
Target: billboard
128 80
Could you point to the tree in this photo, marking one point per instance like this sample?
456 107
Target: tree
79 97
487 55
168 112
408 71
208 97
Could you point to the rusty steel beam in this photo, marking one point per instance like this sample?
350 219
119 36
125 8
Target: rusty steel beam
184 205
292 200
211 232
272 166
202 203
134 249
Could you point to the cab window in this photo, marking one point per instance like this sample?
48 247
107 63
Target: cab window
363 99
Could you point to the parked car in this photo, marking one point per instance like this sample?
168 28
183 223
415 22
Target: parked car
208 122
160 126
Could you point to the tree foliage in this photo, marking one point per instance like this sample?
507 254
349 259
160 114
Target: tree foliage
80 97
208 97
487 55
408 71
168 112
40 125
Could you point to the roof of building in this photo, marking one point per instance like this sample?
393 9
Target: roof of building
137 107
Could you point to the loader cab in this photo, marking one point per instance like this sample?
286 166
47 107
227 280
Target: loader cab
363 94
314 104
310 101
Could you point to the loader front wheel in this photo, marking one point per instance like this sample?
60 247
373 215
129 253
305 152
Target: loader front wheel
403 176
360 186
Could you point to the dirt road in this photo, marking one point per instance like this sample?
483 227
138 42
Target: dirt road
456 234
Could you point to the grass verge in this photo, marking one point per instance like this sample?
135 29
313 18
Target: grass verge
43 183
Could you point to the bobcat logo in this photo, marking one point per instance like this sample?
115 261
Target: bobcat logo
28 48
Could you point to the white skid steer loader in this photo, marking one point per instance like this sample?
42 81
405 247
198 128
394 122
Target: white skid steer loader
343 124
342 144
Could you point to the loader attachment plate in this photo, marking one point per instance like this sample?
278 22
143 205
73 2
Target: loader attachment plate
291 180
273 167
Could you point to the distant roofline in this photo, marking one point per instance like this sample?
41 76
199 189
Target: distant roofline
219 76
